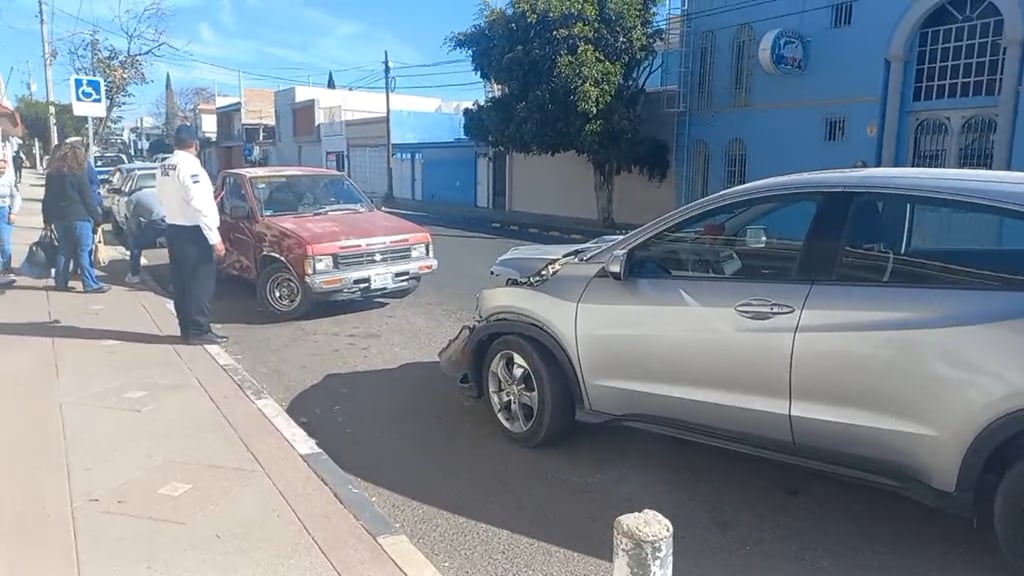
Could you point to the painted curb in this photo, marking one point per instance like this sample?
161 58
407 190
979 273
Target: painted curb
409 559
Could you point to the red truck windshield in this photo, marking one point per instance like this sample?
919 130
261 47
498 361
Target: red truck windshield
306 193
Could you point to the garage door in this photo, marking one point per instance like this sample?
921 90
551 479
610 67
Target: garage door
368 168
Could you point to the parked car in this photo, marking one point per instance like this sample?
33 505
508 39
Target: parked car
867 323
140 179
118 177
105 164
304 235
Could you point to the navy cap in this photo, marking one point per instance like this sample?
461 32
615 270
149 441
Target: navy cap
185 136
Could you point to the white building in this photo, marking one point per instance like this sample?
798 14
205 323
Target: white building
311 129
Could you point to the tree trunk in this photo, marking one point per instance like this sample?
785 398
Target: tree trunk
604 193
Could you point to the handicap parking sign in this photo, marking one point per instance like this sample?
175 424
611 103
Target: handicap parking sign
88 97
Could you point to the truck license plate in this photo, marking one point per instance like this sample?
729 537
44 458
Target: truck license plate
379 281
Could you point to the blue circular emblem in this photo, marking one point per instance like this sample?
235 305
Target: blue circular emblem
783 51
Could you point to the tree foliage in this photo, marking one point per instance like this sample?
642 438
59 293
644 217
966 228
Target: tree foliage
570 75
122 52
34 115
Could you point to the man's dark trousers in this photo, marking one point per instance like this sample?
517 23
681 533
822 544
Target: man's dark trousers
194 277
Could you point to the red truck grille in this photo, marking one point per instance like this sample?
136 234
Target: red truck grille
373 257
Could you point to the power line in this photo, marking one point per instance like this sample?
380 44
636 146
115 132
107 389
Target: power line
426 74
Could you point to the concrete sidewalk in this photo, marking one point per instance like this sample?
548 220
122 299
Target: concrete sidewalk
125 453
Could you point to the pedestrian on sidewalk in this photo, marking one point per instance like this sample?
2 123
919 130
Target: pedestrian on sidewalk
194 245
19 164
94 188
146 223
10 203
68 207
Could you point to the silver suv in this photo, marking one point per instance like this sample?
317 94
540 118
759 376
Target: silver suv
867 323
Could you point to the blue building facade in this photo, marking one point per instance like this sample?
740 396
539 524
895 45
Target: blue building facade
769 87
434 162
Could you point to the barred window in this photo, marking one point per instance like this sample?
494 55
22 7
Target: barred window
743 48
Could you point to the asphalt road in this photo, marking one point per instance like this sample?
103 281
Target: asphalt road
363 380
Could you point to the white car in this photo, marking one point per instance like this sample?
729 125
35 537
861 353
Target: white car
136 181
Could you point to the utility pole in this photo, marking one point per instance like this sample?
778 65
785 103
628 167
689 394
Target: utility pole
51 112
94 46
387 126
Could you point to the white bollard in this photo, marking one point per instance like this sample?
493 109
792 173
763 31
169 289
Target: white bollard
642 545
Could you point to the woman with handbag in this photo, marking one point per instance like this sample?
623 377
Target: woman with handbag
69 207
10 203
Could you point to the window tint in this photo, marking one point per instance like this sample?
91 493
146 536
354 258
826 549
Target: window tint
759 239
905 240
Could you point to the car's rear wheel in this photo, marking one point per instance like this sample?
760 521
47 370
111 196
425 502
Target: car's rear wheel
1008 514
527 392
282 293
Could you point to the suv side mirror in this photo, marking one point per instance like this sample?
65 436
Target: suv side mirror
617 265
755 237
238 211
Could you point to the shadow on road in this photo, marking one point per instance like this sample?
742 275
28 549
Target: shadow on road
408 430
236 302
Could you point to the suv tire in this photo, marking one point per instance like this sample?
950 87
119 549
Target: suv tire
282 293
518 371
1008 515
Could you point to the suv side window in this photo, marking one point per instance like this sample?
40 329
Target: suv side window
932 243
758 239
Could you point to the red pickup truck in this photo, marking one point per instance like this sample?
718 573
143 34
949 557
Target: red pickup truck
304 235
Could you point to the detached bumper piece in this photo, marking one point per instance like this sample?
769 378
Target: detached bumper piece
456 359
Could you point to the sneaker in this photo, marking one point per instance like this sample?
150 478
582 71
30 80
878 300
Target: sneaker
210 338
132 279
101 289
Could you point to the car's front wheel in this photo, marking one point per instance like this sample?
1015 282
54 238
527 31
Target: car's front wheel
527 392
282 293
1008 514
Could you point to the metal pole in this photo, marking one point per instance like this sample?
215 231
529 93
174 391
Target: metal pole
642 545
94 42
387 120
51 112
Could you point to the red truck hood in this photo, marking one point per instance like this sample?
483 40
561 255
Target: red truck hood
343 227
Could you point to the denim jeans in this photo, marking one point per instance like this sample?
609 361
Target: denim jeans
142 235
75 241
5 239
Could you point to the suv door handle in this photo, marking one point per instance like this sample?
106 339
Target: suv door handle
762 309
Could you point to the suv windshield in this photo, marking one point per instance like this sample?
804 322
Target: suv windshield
109 160
307 194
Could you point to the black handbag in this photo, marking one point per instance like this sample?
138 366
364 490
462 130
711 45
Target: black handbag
42 256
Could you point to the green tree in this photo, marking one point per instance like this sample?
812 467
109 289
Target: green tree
34 116
121 53
570 77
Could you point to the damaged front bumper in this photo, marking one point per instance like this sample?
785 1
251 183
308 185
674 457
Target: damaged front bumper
456 358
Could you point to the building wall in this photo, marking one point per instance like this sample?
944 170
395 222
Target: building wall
445 172
853 103
563 185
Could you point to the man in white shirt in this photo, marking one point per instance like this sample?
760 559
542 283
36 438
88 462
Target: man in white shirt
193 236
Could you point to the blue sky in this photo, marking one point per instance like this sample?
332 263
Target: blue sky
273 42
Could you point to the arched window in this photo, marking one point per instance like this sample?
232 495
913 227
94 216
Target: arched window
700 168
735 163
959 52
931 143
977 142
742 59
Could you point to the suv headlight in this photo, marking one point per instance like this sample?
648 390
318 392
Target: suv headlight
317 264
420 251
